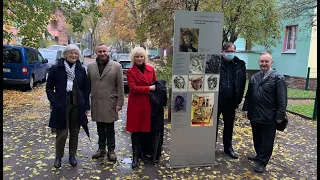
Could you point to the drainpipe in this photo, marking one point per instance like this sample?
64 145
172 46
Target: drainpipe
314 117
307 80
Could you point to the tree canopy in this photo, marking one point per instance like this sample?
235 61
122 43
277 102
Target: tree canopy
256 21
141 21
300 10
31 17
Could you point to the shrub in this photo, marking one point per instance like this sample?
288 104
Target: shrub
163 69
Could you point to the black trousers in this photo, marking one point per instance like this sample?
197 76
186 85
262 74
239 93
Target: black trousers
228 112
145 143
72 127
106 133
263 140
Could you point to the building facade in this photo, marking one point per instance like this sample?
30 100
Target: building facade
295 56
57 27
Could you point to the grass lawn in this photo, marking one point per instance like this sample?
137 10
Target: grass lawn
301 93
293 93
305 109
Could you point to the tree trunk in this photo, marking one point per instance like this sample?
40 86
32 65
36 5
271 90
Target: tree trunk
169 51
91 43
224 36
196 4
233 36
161 52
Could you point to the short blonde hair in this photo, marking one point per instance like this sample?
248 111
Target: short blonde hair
138 51
69 48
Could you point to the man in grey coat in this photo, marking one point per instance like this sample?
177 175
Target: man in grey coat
265 106
107 98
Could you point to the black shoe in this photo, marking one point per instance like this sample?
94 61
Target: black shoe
135 162
260 168
99 153
252 158
112 156
72 160
57 163
154 162
231 153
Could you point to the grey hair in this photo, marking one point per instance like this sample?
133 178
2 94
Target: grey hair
266 53
69 48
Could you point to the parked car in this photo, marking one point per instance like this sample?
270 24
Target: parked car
114 56
23 66
123 57
52 55
126 64
111 53
61 47
57 47
154 57
86 53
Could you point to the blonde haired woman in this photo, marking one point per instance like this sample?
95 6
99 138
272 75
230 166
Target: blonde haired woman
139 77
68 91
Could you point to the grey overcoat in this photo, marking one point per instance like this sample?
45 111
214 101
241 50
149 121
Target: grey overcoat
106 91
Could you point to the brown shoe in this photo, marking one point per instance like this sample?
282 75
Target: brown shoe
99 153
112 156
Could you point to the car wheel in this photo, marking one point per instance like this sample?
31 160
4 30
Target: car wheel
31 83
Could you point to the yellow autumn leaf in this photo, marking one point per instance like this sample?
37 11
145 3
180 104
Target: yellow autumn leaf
7 168
95 177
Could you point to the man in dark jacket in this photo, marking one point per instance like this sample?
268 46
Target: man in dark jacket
231 89
265 106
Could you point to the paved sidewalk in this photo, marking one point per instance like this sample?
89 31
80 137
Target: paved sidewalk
28 149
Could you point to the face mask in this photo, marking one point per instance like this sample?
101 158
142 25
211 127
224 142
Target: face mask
228 56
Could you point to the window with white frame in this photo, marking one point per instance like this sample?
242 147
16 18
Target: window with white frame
290 38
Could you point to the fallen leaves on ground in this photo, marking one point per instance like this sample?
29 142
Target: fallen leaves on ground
29 149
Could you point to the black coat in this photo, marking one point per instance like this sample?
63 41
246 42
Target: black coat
154 139
57 94
266 100
158 100
239 81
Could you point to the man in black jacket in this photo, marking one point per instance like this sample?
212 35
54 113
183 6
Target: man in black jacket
265 106
231 89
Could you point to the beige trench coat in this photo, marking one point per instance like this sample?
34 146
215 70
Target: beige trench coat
106 91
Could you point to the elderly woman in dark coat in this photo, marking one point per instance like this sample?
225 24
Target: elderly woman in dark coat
68 92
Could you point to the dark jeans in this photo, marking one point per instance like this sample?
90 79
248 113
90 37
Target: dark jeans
106 133
62 134
263 140
228 112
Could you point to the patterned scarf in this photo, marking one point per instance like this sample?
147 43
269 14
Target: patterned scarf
70 75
